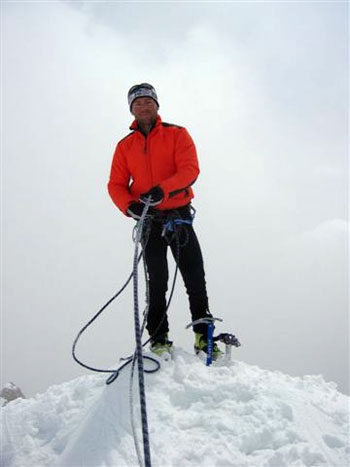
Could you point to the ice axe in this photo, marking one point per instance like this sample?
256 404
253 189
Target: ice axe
227 339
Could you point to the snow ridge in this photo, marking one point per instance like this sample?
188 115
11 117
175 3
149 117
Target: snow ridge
230 414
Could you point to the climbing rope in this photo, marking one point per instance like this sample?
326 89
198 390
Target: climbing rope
171 231
138 352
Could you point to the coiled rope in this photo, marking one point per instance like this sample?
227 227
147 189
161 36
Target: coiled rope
171 232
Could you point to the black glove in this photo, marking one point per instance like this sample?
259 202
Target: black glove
135 210
156 194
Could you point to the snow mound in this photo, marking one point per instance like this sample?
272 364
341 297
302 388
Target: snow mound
230 414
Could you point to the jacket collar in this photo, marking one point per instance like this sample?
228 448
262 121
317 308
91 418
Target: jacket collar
135 127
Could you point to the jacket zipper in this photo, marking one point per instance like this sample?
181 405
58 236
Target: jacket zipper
146 152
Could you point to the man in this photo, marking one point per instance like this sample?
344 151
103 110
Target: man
157 162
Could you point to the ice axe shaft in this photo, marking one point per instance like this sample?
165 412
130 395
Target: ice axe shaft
209 320
228 339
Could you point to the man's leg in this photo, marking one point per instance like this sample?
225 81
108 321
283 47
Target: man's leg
186 251
157 267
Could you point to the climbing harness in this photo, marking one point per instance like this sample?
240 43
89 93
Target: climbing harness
172 227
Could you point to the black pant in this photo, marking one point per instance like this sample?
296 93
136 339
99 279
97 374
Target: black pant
186 251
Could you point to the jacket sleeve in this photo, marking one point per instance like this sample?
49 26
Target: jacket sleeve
187 166
119 181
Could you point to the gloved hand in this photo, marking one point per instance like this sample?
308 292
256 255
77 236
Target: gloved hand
156 194
135 210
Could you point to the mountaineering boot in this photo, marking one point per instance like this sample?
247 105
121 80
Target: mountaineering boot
200 345
161 346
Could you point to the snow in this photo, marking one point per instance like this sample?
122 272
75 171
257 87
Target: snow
229 414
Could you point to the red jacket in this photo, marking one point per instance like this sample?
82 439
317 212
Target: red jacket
166 157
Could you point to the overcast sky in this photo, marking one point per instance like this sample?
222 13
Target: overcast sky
262 88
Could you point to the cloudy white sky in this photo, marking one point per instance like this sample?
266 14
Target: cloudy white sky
262 88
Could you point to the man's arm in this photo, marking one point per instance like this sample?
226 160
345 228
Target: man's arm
187 166
118 185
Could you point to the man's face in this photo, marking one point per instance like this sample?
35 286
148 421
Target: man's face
145 110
